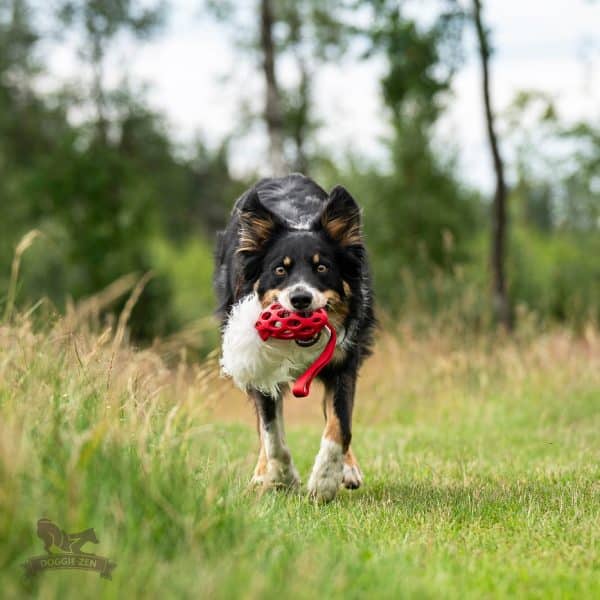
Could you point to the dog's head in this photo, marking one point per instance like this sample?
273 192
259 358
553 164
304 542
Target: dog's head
303 269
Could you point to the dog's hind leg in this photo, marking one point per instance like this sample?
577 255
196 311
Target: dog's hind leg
352 475
275 467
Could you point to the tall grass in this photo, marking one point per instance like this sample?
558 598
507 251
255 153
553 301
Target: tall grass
480 456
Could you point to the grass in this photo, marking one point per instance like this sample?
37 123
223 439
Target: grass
481 459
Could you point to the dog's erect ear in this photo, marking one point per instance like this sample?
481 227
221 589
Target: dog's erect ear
257 224
341 218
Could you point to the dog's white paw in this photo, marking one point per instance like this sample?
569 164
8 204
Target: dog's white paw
327 473
352 476
281 474
257 480
277 474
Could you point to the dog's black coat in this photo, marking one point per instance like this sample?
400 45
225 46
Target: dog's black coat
294 217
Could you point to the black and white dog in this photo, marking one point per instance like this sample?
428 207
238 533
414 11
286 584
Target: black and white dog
291 242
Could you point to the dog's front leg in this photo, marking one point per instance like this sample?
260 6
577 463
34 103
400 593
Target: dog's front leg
328 471
275 467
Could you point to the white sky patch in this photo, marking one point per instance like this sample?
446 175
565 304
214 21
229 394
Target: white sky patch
202 83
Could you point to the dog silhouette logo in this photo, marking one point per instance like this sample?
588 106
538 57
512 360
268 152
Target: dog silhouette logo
54 537
64 551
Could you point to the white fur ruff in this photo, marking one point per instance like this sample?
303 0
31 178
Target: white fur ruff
265 366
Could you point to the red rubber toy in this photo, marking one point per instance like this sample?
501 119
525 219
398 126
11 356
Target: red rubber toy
279 323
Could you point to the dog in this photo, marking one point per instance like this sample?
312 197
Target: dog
289 241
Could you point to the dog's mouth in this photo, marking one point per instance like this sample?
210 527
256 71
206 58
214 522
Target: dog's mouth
310 341
307 343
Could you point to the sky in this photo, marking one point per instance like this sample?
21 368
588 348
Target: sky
195 75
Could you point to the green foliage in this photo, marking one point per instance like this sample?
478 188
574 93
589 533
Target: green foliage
188 269
97 208
418 216
417 230
557 276
581 186
557 165
197 194
420 62
100 192
113 193
103 19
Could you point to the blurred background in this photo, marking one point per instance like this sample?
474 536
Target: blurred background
469 131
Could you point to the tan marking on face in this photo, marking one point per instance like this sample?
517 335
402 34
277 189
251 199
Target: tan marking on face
332 297
337 309
347 289
287 261
333 427
269 297
316 259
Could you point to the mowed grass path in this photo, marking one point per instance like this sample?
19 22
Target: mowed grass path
481 460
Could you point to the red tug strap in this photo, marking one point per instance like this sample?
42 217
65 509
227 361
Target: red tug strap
279 323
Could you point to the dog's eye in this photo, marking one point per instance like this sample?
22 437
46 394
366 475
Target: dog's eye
280 271
322 269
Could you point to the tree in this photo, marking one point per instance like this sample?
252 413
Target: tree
500 301
100 21
273 113
314 32
304 33
29 127
418 215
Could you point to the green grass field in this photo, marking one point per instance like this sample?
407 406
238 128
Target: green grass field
481 459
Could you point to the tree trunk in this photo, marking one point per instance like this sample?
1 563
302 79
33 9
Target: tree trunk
302 124
273 112
500 300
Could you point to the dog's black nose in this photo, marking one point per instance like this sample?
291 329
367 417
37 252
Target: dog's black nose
301 299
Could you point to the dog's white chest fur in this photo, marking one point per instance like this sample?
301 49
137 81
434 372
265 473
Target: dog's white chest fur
253 363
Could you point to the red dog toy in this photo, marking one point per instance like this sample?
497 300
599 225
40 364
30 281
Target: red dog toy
279 323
